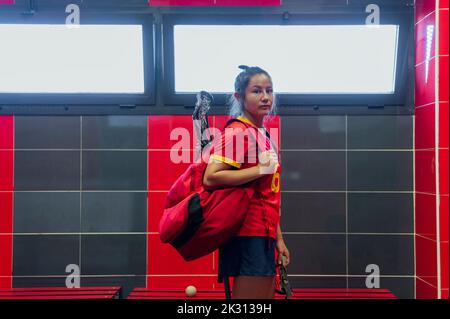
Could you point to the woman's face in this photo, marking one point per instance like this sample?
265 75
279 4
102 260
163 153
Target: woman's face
259 96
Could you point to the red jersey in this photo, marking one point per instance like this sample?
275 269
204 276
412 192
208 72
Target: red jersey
239 146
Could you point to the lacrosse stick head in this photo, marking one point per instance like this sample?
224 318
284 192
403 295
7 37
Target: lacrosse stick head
200 119
204 102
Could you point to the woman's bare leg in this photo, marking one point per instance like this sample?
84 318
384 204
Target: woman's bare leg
253 287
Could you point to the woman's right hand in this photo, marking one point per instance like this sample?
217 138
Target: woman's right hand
268 162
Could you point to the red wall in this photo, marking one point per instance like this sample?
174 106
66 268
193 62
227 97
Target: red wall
431 149
6 199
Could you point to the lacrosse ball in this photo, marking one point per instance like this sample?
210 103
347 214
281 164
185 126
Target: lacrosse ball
190 291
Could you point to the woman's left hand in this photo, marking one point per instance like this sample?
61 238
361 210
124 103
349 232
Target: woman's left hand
282 251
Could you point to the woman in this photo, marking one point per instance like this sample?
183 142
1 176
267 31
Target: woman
250 256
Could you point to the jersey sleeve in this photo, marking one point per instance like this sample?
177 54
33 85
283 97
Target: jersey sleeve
236 146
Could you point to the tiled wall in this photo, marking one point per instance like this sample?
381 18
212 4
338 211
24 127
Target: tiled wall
347 200
79 198
431 148
80 186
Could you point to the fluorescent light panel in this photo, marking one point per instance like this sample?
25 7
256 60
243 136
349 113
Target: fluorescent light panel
62 59
331 59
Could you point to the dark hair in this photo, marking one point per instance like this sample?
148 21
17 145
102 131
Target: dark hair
240 85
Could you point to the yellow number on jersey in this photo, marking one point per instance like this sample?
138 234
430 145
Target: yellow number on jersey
275 183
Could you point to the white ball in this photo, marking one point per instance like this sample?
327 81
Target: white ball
190 291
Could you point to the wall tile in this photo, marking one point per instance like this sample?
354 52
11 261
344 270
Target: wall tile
47 170
394 254
313 212
364 132
380 171
426 254
425 127
46 212
317 281
443 31
425 83
172 263
380 213
443 78
6 132
6 212
6 282
161 126
443 125
7 170
443 171
425 171
426 215
44 255
164 161
113 254
313 132
425 290
6 242
423 32
115 132
444 265
156 201
47 132
424 7
114 212
443 215
316 254
309 170
42 281
114 170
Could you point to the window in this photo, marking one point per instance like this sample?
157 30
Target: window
93 64
59 59
330 59
314 60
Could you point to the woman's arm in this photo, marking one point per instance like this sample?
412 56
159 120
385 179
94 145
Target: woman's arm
220 174
281 247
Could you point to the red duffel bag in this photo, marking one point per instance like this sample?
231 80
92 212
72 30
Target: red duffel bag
197 221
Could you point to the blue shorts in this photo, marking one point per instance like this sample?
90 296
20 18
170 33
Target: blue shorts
247 256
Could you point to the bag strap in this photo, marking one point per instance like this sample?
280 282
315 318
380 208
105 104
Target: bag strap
266 131
238 120
257 181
